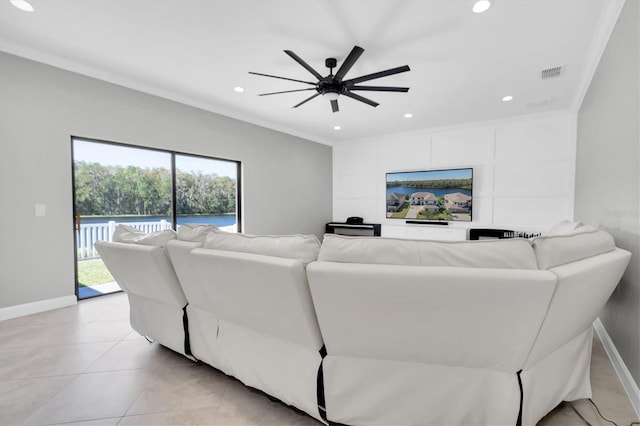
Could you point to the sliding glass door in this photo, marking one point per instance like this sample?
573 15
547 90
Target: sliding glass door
146 189
206 191
115 184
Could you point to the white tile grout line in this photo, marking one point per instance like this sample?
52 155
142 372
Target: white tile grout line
628 383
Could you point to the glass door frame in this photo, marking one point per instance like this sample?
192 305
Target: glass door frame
173 172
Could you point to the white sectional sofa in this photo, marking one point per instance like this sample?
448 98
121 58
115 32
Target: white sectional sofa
380 331
477 332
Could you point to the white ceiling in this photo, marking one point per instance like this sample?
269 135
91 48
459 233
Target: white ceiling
197 51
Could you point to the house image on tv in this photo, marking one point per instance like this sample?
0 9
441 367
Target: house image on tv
426 199
395 202
457 202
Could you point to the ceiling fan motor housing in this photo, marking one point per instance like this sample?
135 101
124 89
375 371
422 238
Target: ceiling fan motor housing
328 84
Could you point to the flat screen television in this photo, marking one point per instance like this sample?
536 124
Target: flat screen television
430 195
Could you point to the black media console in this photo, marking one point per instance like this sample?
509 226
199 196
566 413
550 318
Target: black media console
488 234
361 229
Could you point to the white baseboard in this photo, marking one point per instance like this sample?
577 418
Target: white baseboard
622 371
35 307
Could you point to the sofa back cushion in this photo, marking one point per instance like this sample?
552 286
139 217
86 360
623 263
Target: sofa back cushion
195 232
584 242
128 234
564 227
302 247
509 253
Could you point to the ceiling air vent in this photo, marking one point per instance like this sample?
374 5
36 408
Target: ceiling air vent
542 103
551 73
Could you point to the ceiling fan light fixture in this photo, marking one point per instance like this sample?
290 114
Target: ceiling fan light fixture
481 6
331 96
22 5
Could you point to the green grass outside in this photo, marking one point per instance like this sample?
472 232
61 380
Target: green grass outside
92 272
402 213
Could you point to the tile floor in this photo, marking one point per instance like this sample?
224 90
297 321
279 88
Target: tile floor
84 365
98 290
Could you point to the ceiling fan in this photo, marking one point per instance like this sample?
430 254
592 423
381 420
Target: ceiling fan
333 85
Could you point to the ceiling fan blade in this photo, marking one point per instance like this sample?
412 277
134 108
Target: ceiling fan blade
334 105
379 74
307 100
380 88
360 98
306 66
281 78
348 62
286 91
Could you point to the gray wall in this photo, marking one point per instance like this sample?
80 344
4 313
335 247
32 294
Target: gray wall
607 179
286 180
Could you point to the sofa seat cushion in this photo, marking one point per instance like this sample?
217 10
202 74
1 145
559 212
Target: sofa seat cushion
582 243
128 234
509 253
301 247
195 232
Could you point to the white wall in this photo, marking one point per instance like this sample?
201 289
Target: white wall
41 107
523 173
608 169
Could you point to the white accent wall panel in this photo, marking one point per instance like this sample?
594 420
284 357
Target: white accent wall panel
358 185
529 212
393 153
524 173
539 178
483 177
537 140
482 210
356 158
455 149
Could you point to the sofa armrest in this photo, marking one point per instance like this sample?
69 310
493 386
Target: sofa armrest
143 270
468 317
583 289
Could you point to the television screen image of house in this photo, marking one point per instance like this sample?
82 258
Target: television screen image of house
430 195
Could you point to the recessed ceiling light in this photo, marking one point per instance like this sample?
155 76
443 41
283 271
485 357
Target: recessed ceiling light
22 5
408 115
507 98
337 127
238 89
481 6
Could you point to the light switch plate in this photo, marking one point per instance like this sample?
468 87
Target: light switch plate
41 209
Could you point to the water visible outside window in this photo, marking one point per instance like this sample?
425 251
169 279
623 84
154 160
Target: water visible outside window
118 184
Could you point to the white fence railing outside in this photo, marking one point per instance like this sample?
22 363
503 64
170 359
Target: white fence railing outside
92 232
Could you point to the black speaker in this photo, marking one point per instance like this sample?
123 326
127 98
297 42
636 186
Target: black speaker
355 220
